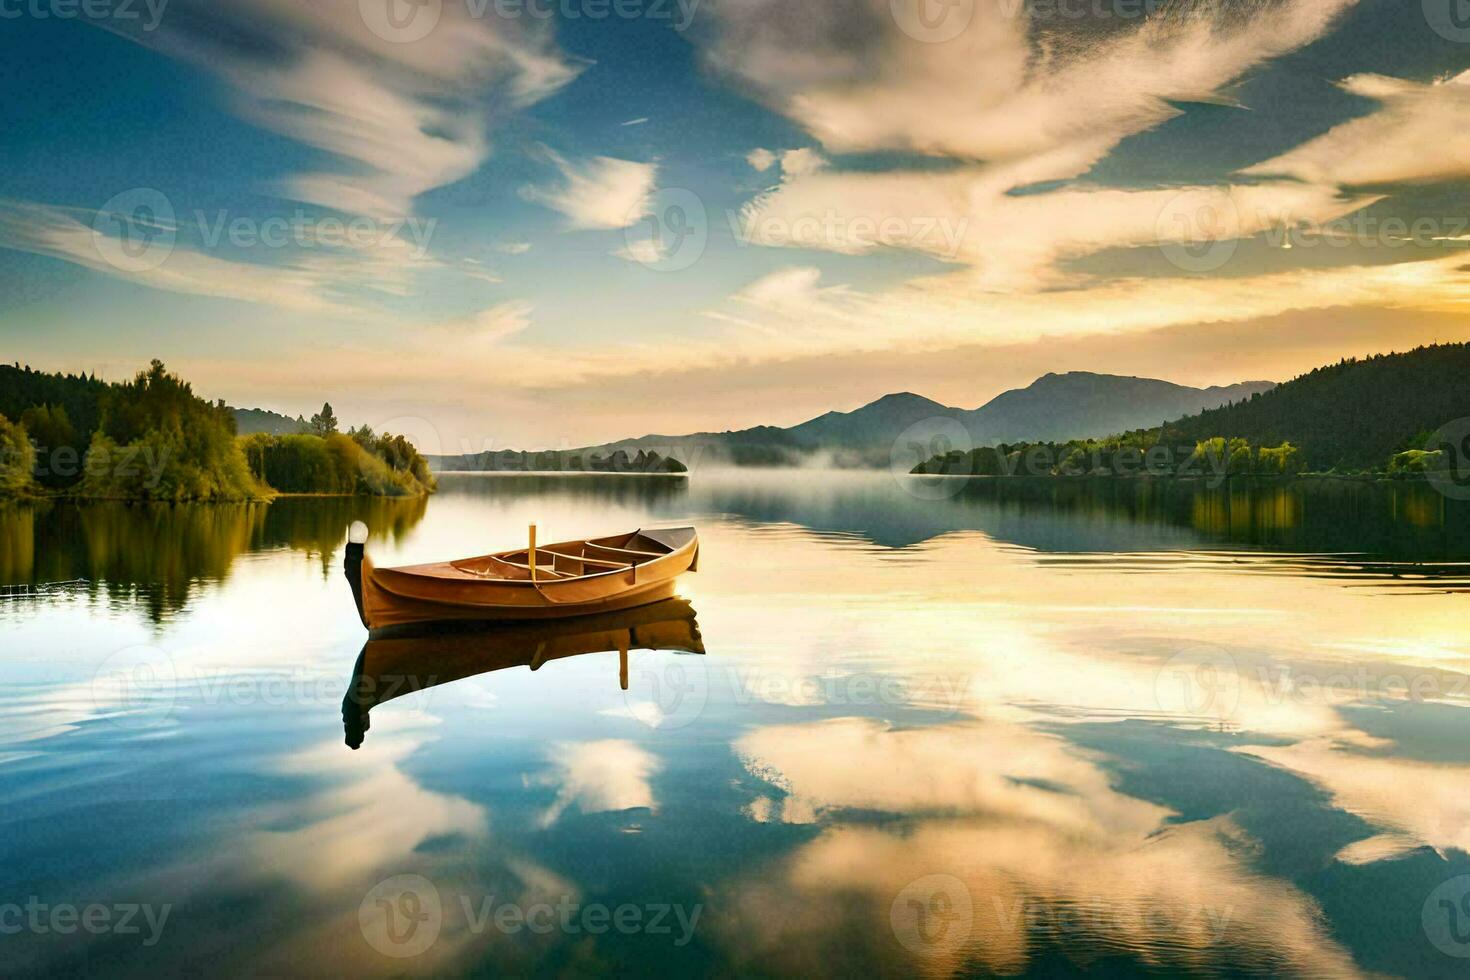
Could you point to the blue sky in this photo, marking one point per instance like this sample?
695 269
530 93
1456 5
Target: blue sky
569 228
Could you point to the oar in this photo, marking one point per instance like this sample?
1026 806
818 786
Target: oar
531 553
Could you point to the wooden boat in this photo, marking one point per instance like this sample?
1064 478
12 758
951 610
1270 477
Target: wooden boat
572 578
409 659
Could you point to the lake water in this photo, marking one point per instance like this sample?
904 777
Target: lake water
1005 728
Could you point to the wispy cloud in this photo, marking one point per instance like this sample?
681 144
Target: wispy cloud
1037 99
401 118
600 193
304 284
1421 133
488 326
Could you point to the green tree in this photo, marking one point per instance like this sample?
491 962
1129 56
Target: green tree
58 455
158 441
1417 461
17 459
1284 460
324 423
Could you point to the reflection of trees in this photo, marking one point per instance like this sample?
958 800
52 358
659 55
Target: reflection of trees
1402 520
157 555
315 525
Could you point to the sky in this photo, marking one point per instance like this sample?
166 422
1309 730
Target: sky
550 223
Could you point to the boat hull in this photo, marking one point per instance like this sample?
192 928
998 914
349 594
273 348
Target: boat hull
460 591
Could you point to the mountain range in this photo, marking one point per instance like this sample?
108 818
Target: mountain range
1057 407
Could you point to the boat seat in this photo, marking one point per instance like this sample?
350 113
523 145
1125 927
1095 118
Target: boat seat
624 555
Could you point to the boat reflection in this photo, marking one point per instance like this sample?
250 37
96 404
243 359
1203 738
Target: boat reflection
404 661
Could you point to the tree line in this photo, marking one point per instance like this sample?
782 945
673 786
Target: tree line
152 438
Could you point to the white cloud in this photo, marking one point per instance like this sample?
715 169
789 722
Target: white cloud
1421 133
1420 803
801 162
761 159
600 777
1006 87
601 193
644 251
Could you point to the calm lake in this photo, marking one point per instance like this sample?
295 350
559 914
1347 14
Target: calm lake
1005 728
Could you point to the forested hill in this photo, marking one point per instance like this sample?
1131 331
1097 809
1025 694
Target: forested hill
253 421
1352 415
79 394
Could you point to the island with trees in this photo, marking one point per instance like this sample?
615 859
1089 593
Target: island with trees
575 461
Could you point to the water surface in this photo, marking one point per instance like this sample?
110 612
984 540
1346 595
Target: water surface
1003 728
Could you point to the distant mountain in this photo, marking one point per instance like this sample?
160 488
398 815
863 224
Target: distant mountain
873 426
250 421
1058 406
1082 405
1351 415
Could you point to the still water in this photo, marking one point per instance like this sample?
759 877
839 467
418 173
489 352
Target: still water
1010 728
